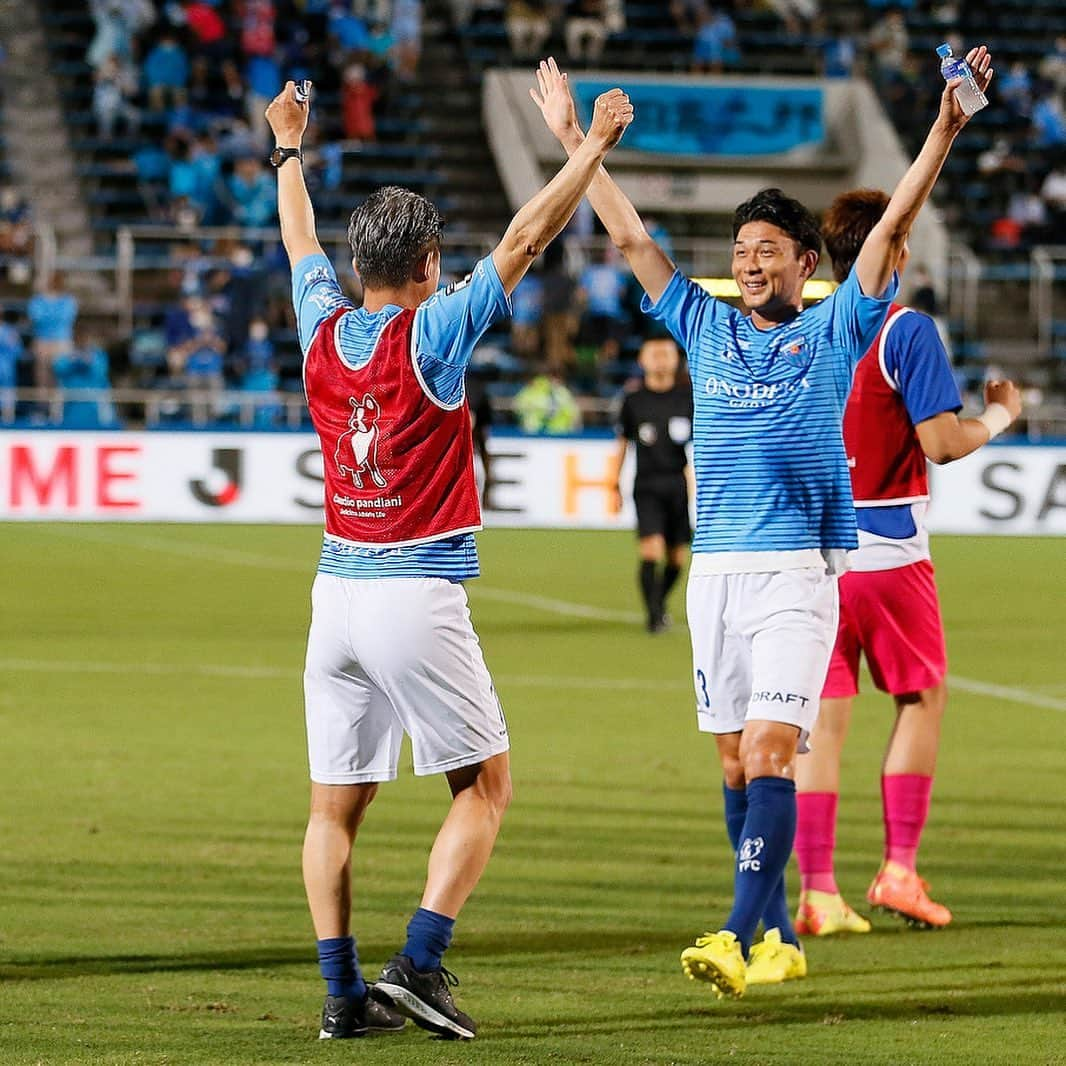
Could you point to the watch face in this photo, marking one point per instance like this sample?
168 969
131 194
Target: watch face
276 157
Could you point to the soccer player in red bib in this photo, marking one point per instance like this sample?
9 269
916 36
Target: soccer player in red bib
391 649
903 409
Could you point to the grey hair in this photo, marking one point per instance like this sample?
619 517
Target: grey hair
389 232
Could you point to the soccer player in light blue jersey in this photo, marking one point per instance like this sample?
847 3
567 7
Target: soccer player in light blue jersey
775 517
391 648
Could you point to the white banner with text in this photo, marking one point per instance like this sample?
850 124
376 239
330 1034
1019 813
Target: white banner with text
536 482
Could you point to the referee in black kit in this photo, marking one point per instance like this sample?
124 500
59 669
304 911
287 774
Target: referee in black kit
657 418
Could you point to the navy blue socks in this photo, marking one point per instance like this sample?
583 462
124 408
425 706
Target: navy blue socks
428 937
763 847
339 965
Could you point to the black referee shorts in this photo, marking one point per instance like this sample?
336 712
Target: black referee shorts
662 509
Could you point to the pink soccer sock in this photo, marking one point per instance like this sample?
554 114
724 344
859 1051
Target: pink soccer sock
905 800
816 827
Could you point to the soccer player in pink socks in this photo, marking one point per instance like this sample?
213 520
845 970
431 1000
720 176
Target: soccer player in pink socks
903 409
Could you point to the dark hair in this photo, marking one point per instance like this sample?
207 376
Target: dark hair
389 232
773 206
847 224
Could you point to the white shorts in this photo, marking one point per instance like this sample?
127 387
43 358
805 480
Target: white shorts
760 646
389 656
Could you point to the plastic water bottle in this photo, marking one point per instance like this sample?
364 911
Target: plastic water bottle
968 94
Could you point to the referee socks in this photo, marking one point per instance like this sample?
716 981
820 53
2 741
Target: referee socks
652 590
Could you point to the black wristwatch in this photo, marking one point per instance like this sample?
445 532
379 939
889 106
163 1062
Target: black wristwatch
279 155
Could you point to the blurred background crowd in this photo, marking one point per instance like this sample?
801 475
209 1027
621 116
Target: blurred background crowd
162 105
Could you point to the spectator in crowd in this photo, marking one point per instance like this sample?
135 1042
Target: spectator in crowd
117 23
252 193
557 322
889 43
358 97
1053 65
601 294
527 308
685 14
52 312
406 30
797 15
263 81
1028 211
198 363
183 180
260 374
1053 193
12 352
1016 90
1000 158
476 12
528 27
84 369
179 331
715 43
546 406
166 73
588 24
16 226
114 88
838 53
257 27
207 28
1049 120
206 163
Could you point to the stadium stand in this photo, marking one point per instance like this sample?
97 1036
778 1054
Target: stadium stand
151 177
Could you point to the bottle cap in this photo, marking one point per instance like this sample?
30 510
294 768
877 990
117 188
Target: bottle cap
944 51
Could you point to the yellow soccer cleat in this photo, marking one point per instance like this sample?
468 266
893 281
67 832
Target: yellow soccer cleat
901 891
825 913
717 959
772 962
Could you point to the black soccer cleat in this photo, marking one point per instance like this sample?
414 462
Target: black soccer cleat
424 997
345 1018
382 1019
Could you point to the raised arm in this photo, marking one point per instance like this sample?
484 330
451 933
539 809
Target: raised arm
543 218
651 266
288 119
881 250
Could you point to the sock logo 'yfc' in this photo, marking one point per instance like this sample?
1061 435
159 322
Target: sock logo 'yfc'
749 854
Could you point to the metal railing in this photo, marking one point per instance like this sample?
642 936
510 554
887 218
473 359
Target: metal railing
1046 262
697 256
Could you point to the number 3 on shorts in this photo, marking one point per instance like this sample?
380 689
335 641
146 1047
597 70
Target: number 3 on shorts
701 680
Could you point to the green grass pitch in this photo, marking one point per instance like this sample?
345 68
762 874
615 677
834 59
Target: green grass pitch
154 791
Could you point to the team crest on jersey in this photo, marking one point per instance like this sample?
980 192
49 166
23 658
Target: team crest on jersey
647 433
356 454
795 350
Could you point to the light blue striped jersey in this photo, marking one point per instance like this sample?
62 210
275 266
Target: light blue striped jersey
446 329
768 453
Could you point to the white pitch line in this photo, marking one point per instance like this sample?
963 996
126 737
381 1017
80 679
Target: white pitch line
567 608
1004 692
273 673
552 606
237 672
68 666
